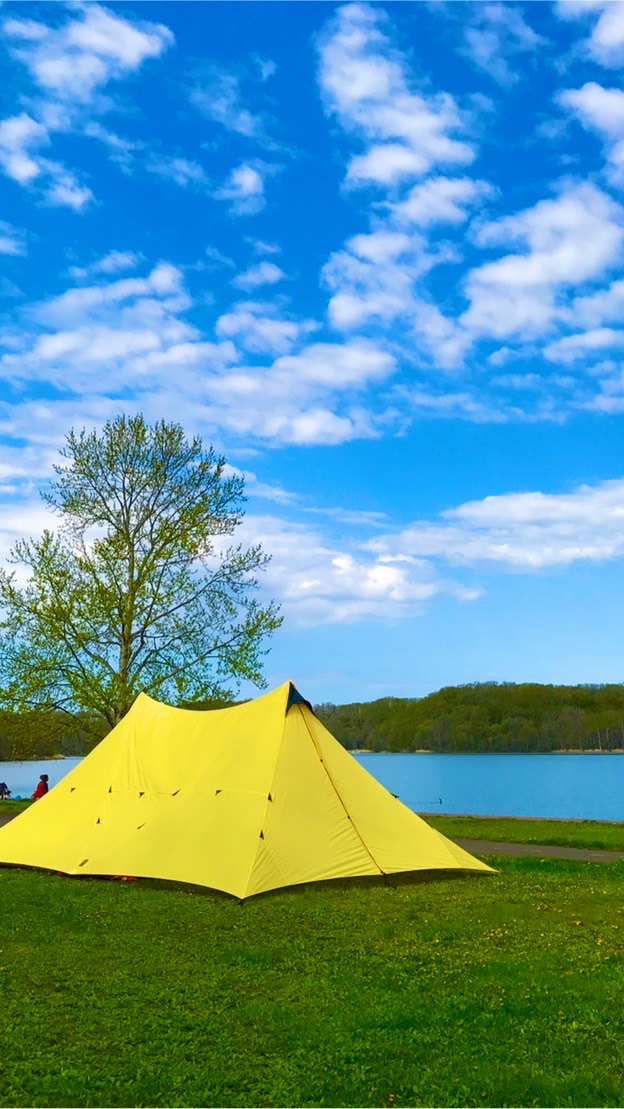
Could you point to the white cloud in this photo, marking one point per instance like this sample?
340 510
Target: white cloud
376 279
521 531
593 309
606 42
259 329
266 66
317 582
129 341
219 98
164 281
244 189
440 200
496 33
121 151
70 65
73 61
365 83
565 241
455 405
181 170
11 240
601 110
584 343
373 277
263 273
114 262
261 246
65 190
19 137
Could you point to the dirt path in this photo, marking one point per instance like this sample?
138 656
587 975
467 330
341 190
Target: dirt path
490 847
543 851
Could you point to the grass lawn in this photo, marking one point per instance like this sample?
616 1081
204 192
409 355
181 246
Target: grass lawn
493 990
597 834
13 806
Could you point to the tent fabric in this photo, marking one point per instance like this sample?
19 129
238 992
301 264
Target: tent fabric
243 799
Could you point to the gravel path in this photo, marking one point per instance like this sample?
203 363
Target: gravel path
543 851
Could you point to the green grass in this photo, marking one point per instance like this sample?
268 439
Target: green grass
494 990
596 834
14 806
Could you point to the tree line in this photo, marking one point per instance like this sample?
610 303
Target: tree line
482 717
485 716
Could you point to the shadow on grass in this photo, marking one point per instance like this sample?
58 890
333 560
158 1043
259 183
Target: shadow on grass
301 889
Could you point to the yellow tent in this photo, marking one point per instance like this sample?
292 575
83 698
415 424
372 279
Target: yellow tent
242 799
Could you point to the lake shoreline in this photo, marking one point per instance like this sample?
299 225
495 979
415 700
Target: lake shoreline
559 751
367 751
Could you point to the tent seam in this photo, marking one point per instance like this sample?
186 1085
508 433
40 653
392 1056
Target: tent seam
269 790
338 795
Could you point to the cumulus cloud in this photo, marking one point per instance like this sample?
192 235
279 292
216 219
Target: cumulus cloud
373 276
115 261
244 189
583 343
606 41
76 59
496 34
183 171
318 582
365 84
602 111
520 531
255 377
219 97
440 200
21 138
565 241
593 309
263 273
70 65
262 328
12 241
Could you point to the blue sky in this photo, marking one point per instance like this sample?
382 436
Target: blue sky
373 253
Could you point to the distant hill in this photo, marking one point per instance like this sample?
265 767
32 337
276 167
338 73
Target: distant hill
486 716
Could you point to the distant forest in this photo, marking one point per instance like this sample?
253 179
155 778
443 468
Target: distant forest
484 716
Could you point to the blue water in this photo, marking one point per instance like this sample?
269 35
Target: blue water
22 777
590 787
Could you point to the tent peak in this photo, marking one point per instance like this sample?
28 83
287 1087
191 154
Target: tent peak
295 698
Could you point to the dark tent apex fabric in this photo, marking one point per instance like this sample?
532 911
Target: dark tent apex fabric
295 698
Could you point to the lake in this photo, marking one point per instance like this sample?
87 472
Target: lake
590 787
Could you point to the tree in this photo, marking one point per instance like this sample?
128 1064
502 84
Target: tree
137 589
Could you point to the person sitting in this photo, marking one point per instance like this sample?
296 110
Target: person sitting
5 792
41 788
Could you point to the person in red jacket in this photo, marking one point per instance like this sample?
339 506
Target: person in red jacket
41 788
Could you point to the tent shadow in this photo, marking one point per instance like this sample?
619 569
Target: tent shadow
391 882
329 886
